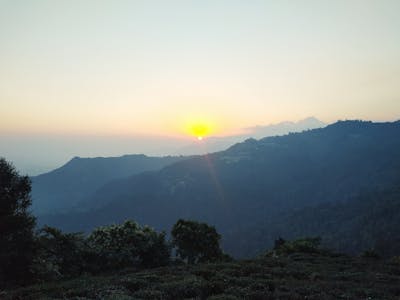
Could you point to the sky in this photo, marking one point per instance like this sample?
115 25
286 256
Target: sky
149 69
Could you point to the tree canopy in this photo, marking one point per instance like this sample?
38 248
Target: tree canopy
195 241
16 224
129 244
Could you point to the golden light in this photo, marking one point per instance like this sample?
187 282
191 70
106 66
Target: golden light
199 125
199 130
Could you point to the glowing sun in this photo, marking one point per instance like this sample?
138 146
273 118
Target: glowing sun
200 130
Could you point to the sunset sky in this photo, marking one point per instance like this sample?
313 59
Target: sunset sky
93 67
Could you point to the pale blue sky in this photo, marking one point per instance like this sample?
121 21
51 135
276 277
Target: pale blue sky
82 67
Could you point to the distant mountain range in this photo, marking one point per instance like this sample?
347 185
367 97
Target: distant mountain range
307 183
49 151
66 187
214 144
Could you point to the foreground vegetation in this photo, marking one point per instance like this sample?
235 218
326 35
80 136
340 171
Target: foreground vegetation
129 261
28 256
297 275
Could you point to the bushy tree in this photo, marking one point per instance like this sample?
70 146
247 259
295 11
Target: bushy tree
196 242
61 254
370 253
303 245
16 225
156 251
129 244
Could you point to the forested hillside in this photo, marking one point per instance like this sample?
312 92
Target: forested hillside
369 221
63 188
253 186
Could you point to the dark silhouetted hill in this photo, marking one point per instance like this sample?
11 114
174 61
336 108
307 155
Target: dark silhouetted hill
65 187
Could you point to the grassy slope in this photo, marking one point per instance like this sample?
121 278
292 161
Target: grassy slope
298 276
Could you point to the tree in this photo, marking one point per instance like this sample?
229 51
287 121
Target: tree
303 245
128 244
16 225
60 254
196 242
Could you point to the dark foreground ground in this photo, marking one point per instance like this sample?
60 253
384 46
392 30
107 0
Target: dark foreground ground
297 276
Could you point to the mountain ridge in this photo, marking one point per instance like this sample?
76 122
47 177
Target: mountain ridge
64 187
215 144
253 180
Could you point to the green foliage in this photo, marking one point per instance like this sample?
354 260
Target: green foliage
304 245
395 260
61 254
196 242
300 276
16 225
371 253
128 244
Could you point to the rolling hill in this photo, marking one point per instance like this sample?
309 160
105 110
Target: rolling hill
64 188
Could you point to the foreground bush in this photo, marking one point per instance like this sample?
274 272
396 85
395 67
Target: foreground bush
304 245
128 245
196 242
60 254
63 255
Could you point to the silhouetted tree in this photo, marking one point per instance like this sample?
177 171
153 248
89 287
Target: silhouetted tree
16 225
60 254
196 242
129 244
303 245
278 243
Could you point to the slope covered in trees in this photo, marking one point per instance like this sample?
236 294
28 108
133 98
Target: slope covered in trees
370 220
65 187
241 189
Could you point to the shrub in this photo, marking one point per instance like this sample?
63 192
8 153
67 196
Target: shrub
60 254
395 260
304 245
371 253
129 244
196 242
